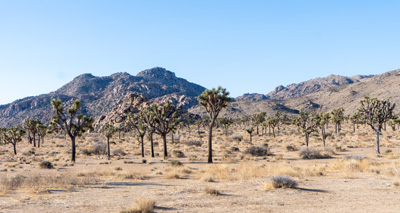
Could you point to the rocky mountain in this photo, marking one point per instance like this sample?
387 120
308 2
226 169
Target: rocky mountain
312 86
346 95
251 97
99 95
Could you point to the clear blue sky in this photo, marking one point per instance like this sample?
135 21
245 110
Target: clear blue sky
244 46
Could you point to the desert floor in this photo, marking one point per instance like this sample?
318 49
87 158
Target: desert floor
353 179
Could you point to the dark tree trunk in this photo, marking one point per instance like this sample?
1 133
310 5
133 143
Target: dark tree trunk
165 146
142 142
73 148
354 127
210 160
38 141
323 135
15 148
257 129
273 131
250 138
307 138
119 134
377 143
34 140
108 148
152 145
172 138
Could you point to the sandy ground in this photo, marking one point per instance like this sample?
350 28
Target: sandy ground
367 189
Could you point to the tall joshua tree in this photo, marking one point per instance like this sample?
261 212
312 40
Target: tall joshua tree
13 135
148 119
136 121
337 118
71 123
213 101
166 120
31 128
108 131
305 124
321 121
376 113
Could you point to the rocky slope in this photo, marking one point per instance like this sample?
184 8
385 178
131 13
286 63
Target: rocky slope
99 95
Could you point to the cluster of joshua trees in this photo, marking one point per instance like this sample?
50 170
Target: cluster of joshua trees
164 119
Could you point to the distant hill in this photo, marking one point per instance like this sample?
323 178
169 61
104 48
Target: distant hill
99 95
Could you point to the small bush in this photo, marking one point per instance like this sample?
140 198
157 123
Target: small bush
86 152
178 154
175 163
257 151
142 206
312 153
291 148
236 137
212 191
192 142
118 152
100 148
283 182
234 149
46 165
355 157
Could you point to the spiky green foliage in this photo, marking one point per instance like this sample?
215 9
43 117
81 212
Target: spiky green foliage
376 113
165 119
108 131
213 101
72 123
321 121
337 119
250 131
13 135
226 122
305 124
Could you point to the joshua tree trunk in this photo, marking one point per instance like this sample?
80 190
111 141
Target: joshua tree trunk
164 136
38 141
323 135
257 129
142 143
34 141
108 148
307 138
273 131
15 148
377 142
152 145
73 148
250 138
354 127
210 160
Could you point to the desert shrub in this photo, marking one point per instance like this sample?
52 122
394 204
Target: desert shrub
312 153
236 137
8 183
234 149
175 163
212 191
291 148
257 151
280 181
192 142
178 153
86 152
118 152
355 157
99 148
46 165
142 206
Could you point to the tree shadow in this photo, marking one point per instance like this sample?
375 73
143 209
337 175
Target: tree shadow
166 208
312 190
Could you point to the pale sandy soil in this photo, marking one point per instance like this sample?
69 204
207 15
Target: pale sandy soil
324 185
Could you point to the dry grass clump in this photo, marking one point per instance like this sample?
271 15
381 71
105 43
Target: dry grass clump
193 142
175 163
118 152
46 165
236 137
257 151
280 181
211 191
142 205
37 183
178 154
353 165
312 153
99 148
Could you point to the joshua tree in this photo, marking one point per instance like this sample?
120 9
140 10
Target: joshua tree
321 121
273 122
337 118
137 122
355 119
108 131
166 120
226 122
213 101
42 130
31 128
305 124
13 135
71 123
376 113
250 131
148 118
258 118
